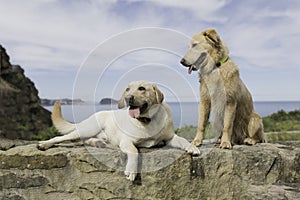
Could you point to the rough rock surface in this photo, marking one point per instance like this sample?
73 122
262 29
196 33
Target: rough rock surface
74 171
20 112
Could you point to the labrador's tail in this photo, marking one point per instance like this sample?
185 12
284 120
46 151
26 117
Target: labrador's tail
63 126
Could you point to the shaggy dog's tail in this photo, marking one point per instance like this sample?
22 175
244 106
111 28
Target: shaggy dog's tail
63 126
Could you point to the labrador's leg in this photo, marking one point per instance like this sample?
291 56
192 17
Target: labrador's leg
85 129
182 143
96 142
132 159
43 145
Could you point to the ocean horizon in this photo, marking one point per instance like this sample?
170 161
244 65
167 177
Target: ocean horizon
184 113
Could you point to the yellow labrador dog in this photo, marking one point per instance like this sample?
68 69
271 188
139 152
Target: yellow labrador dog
222 90
147 122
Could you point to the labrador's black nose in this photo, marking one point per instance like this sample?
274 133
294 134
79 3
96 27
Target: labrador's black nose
130 100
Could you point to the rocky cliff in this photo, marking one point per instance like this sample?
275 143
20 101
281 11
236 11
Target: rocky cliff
21 115
73 171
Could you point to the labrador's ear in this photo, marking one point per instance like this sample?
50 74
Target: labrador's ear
159 95
121 103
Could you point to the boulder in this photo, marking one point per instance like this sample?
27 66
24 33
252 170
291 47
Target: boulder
74 171
21 115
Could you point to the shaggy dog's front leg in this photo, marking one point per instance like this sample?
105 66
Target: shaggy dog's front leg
229 117
204 111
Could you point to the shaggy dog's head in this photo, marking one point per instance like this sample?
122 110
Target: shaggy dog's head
140 97
206 49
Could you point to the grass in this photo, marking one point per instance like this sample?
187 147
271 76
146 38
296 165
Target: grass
189 132
283 136
279 127
282 121
46 134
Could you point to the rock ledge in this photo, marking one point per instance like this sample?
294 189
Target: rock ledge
73 171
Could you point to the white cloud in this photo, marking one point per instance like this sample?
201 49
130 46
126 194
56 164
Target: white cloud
264 35
44 27
204 10
53 35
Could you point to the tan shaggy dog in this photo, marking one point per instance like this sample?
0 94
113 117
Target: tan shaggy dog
222 90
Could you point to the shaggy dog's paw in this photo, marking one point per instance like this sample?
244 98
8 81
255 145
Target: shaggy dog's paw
197 142
43 145
225 145
249 141
130 175
192 149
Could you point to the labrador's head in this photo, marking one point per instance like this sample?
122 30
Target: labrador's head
140 96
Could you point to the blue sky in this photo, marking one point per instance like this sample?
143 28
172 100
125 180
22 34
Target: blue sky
91 49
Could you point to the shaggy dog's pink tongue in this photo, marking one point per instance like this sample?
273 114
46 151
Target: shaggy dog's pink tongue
134 113
190 70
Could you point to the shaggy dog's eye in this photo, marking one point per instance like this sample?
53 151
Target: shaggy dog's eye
141 88
127 89
193 45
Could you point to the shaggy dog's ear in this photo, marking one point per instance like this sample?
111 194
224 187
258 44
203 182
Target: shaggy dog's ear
159 95
121 103
212 36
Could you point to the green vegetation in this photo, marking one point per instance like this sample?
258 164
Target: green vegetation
283 136
46 134
187 132
280 126
282 121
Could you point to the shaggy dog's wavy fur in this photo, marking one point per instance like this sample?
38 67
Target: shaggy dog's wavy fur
222 90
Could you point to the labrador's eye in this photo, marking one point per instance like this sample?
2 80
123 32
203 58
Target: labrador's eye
141 88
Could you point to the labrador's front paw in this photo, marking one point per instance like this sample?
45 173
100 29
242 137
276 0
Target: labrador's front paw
130 175
43 145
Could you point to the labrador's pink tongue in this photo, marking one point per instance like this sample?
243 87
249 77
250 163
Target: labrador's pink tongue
134 113
190 70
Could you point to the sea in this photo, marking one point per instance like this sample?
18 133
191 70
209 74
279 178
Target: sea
184 114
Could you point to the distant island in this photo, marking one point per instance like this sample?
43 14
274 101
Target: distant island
106 101
50 102
66 101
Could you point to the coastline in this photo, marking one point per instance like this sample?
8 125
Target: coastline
184 114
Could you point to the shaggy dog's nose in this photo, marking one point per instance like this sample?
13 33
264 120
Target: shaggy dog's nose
183 62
